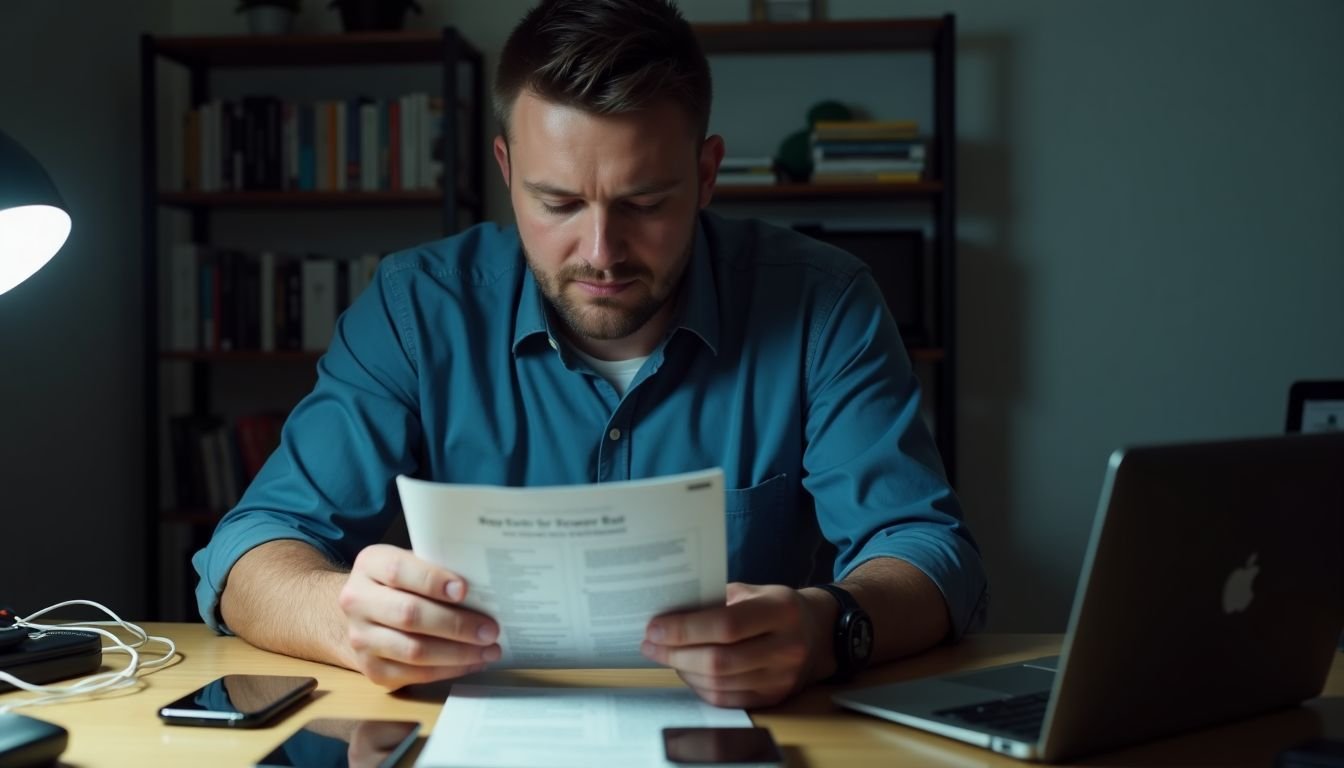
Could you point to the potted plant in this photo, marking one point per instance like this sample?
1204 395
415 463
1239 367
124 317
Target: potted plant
269 17
370 15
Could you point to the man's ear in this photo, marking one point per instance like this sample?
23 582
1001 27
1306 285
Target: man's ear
502 157
711 156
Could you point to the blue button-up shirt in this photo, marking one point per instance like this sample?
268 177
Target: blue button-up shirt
781 365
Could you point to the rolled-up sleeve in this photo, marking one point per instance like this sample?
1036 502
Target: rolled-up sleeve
871 463
330 481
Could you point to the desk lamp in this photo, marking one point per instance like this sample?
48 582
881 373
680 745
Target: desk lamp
33 220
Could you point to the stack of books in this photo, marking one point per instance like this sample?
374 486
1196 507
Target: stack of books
747 171
867 151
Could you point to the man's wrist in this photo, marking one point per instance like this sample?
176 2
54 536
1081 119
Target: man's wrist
822 612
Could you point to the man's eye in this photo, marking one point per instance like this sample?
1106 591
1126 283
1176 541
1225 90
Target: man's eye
651 208
561 208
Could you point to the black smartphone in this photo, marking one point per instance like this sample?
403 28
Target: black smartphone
339 743
238 701
722 747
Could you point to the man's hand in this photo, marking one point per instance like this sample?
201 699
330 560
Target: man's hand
402 624
753 652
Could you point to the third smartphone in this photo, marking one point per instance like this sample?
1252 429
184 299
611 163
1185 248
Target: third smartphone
238 701
338 743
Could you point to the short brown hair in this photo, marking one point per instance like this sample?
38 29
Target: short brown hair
604 57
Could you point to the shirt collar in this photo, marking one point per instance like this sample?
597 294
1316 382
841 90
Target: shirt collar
698 314
529 318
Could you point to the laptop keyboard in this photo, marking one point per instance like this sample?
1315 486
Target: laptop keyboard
1021 716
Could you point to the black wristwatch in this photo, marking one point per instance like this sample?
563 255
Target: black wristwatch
853 635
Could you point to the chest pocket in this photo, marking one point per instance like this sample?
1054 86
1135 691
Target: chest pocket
763 528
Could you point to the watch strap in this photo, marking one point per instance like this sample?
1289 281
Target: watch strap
845 664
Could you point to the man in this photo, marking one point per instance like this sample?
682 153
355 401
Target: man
618 332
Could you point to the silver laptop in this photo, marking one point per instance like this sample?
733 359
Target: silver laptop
1212 589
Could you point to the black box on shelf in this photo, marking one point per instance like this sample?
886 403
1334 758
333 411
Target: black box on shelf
896 258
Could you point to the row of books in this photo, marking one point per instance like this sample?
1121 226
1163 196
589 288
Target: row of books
214 461
747 171
223 300
884 151
360 144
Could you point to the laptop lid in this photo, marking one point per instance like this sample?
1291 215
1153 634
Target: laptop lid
1212 588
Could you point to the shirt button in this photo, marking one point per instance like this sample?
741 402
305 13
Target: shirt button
552 343
614 434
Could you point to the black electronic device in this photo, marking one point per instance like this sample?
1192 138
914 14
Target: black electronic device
26 741
341 743
1317 753
238 701
896 258
721 747
41 656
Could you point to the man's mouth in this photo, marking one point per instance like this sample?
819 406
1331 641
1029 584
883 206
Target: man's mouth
603 288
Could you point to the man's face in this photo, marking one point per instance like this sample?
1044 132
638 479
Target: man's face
606 209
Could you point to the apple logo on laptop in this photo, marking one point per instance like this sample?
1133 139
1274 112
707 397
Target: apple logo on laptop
1237 593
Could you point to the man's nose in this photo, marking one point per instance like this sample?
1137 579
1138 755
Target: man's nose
604 248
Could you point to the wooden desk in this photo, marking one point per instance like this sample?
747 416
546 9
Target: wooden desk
123 730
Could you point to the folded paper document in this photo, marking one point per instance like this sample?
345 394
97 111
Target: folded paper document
485 726
574 573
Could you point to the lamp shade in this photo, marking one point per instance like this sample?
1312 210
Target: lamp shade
33 220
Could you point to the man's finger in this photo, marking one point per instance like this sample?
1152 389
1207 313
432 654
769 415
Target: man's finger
720 624
412 613
394 674
418 650
762 652
400 569
759 681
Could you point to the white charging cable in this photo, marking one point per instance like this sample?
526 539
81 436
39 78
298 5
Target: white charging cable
99 683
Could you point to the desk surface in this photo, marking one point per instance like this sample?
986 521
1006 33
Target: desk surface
123 730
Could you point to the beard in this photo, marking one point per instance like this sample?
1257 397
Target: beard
607 318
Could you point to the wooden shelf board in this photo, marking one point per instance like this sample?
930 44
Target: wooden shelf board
820 36
306 199
924 189
242 356
355 48
927 354
921 353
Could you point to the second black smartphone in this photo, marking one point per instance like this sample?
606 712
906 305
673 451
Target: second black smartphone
238 701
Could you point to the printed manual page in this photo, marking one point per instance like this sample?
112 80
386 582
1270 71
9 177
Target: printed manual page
485 726
574 573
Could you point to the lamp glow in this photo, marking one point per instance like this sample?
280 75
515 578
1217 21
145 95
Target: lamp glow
29 236
33 221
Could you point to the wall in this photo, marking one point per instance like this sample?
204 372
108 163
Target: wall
1149 251
71 500
1147 247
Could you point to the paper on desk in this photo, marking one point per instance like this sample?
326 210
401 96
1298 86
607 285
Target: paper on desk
574 573
484 726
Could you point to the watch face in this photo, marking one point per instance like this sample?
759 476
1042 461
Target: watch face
860 638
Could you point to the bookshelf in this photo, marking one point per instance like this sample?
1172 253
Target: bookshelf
174 529
933 198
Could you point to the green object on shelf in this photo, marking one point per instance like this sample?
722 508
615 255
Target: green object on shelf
795 152
795 155
828 110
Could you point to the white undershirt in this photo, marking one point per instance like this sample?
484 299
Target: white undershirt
618 372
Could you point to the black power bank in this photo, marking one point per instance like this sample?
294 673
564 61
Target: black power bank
48 655
25 741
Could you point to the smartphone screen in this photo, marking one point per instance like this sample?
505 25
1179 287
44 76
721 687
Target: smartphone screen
238 701
735 747
337 743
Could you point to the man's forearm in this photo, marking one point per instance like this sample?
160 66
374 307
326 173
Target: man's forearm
908 611
282 596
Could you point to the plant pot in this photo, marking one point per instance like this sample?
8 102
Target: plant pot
269 20
373 15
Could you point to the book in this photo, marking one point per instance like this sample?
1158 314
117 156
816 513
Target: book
319 303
